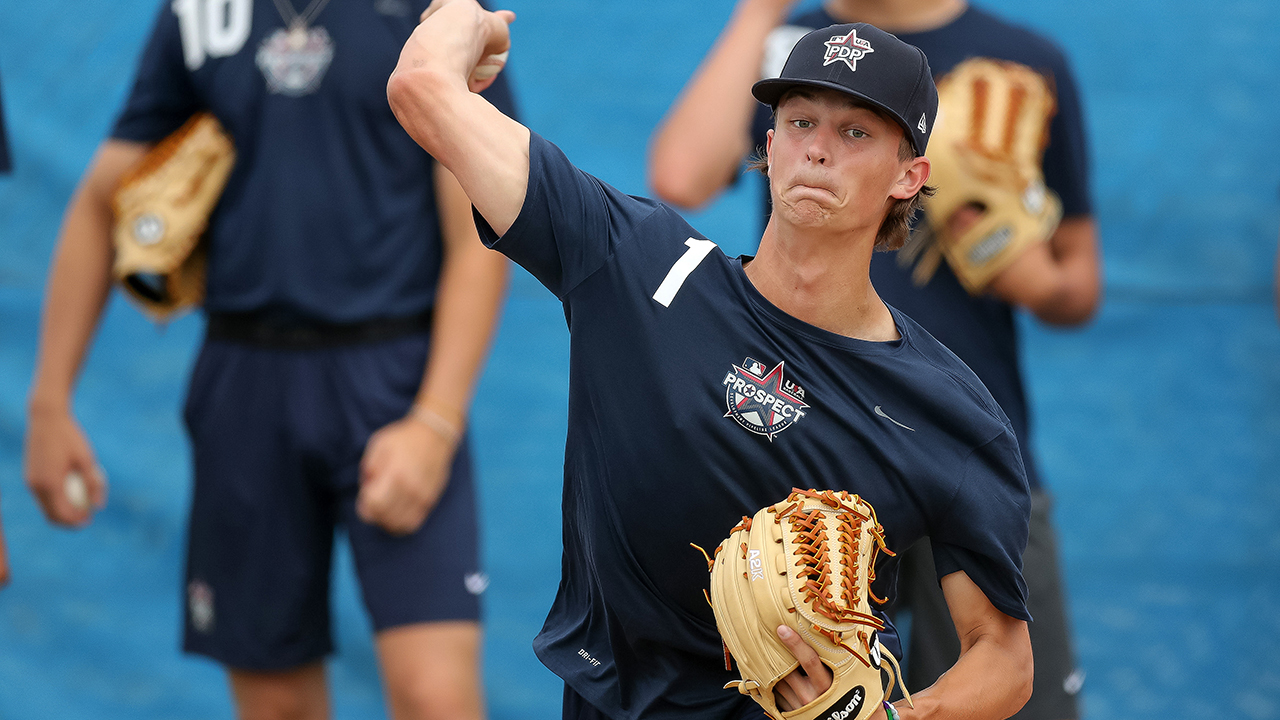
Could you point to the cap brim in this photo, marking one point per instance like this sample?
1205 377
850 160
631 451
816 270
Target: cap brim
770 90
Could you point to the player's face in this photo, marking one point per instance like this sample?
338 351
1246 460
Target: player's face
833 164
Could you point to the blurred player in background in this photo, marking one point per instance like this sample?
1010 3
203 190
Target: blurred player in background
6 167
699 150
349 307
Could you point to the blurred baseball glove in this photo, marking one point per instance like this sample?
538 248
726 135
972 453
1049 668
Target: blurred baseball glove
162 209
806 562
986 151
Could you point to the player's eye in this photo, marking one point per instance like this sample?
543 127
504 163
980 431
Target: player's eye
802 124
855 133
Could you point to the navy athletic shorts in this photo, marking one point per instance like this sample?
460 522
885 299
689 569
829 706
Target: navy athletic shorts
277 437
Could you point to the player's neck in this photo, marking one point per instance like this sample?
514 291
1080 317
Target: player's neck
897 16
822 280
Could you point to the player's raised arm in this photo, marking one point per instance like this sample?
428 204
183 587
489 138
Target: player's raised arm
432 93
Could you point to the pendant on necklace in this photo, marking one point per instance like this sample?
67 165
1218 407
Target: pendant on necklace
294 61
297 37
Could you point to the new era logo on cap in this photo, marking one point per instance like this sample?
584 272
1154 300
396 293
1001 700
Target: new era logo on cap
923 124
848 49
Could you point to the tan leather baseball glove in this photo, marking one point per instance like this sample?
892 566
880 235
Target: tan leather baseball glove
986 152
806 562
162 209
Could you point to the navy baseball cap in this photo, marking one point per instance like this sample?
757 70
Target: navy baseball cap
869 64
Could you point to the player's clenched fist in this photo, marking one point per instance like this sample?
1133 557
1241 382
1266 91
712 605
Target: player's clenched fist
60 469
402 474
477 54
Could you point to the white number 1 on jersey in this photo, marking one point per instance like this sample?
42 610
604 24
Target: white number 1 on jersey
679 272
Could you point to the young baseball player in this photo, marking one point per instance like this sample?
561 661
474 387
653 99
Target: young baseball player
349 309
700 148
703 387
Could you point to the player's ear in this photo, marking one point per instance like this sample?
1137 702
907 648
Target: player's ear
768 148
915 173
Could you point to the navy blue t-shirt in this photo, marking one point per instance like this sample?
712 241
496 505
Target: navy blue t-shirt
694 401
980 330
330 212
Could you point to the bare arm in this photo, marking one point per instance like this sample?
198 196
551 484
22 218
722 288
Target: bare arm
430 95
406 464
468 303
992 678
990 681
1060 281
78 287
701 143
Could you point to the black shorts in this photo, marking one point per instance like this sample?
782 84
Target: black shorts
277 437
934 647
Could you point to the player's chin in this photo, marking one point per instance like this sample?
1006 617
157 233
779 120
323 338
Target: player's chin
807 211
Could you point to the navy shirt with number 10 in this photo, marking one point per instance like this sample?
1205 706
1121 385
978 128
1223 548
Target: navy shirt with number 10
329 213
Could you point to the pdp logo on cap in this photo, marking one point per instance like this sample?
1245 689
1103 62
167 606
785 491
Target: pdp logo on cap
848 49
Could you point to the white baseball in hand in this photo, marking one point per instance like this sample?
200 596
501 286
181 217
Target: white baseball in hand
77 491
489 66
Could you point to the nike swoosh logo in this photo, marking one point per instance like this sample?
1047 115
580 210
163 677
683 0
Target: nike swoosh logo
895 422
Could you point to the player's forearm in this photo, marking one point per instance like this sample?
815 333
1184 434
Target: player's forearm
1060 281
702 141
430 94
79 281
991 681
468 304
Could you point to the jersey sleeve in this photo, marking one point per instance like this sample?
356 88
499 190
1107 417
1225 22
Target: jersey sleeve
1066 157
984 531
570 224
162 97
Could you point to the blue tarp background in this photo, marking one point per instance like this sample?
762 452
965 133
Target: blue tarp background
1159 424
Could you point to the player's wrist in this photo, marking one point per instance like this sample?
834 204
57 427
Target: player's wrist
49 402
445 422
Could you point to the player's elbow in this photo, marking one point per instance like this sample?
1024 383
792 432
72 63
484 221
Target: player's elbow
417 98
1074 304
681 183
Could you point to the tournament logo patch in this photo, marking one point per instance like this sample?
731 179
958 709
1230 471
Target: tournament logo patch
294 61
848 49
762 401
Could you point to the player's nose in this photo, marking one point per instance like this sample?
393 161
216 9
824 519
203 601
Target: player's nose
819 148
